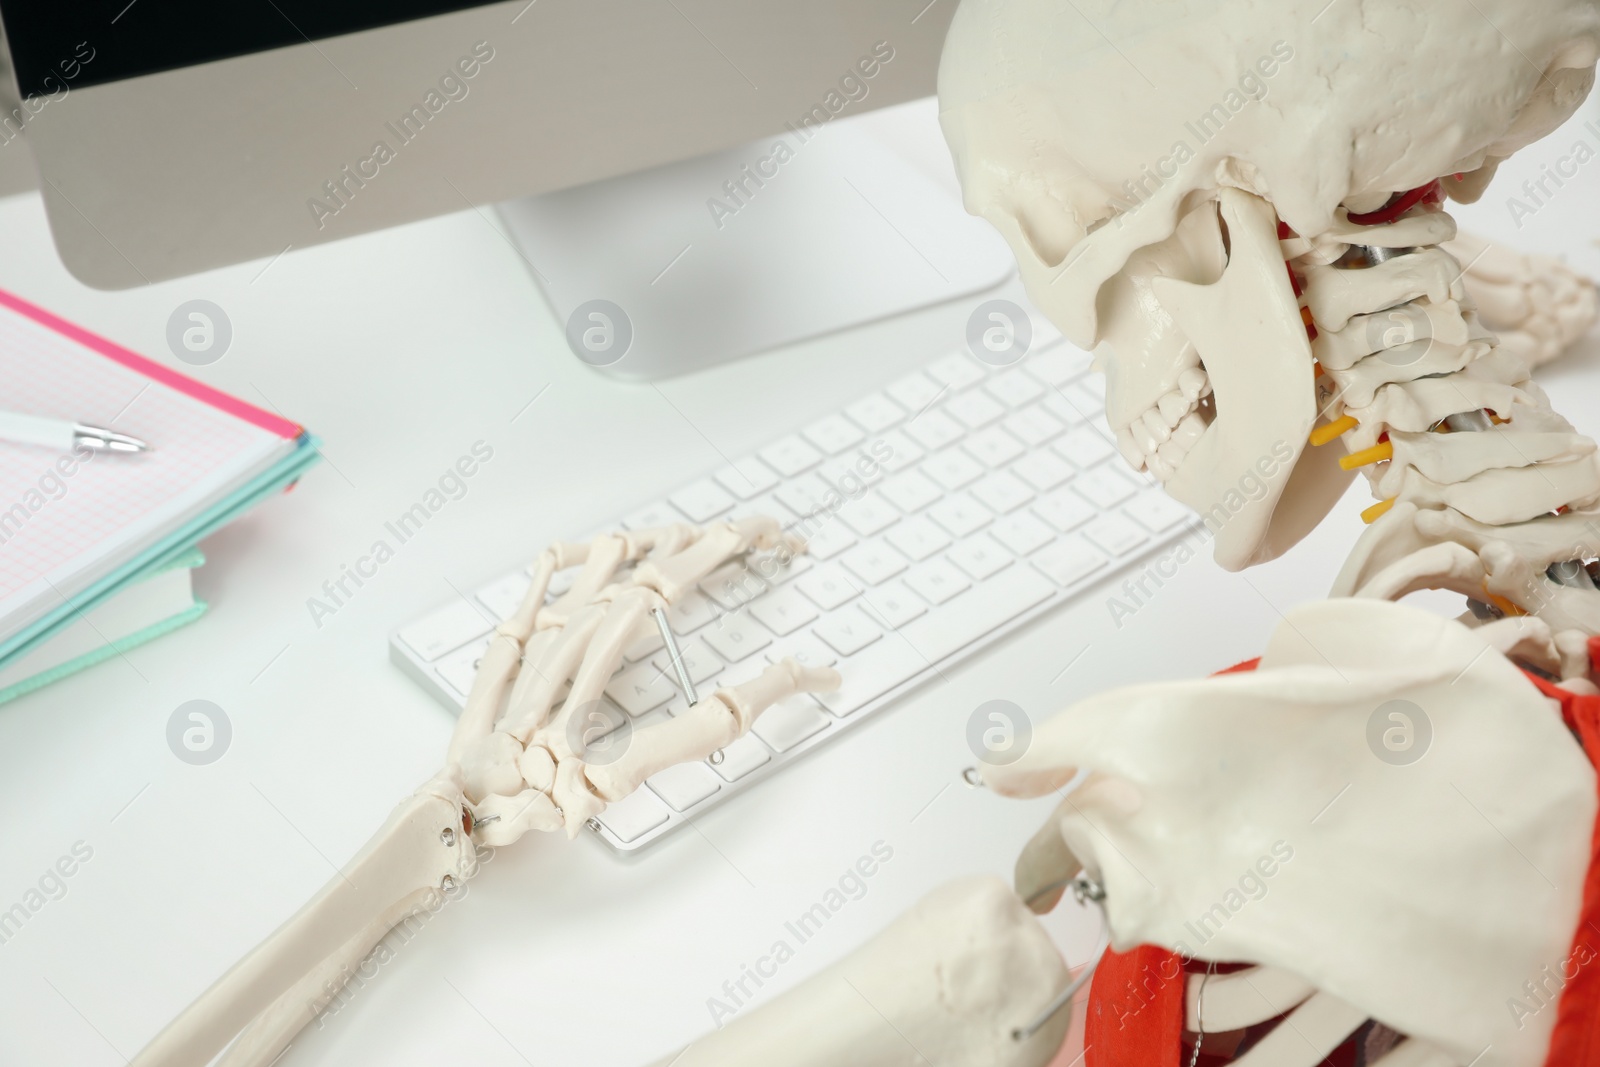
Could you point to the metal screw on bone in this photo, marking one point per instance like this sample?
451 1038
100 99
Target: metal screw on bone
448 836
717 757
448 884
670 639
973 777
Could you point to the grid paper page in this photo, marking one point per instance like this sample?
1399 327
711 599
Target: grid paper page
60 531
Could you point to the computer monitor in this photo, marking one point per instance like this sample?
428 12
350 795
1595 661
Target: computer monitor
173 136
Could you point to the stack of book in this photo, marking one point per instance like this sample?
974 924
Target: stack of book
97 549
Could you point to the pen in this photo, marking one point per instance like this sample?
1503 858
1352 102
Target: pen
64 436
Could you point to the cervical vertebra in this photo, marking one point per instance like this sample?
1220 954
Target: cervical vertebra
1468 459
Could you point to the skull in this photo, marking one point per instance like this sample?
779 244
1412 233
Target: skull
1139 156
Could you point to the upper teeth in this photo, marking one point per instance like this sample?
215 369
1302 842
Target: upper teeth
1159 439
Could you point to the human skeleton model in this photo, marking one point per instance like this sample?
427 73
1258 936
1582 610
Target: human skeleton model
1288 277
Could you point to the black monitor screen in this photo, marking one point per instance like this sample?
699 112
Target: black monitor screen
58 44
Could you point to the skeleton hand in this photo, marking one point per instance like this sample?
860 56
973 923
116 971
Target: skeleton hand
1285 817
517 762
1536 305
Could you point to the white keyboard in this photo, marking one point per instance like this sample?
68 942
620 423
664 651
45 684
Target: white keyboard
1000 498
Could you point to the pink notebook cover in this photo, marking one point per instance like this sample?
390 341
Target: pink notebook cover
155 371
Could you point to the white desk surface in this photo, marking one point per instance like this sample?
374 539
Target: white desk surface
401 349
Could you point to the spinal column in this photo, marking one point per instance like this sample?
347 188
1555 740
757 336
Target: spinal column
1482 487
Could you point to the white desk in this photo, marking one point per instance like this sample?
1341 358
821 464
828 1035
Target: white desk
401 349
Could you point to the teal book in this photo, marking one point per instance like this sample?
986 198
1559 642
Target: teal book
141 611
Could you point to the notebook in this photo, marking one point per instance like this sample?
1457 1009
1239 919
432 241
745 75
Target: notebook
141 611
74 530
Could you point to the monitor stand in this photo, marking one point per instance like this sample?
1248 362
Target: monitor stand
692 264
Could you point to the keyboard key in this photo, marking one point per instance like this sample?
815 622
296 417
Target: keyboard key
952 468
650 517
1033 426
849 472
1069 560
993 447
975 410
1022 533
805 649
847 631
918 538
828 586
875 413
1064 409
785 725
805 493
875 671
1059 365
898 452
979 556
1003 492
911 491
869 515
1085 447
790 456
1116 535
984 607
934 429
957 370
690 612
1014 389
640 689
1157 511
460 667
504 597
915 391
634 816
776 572
886 664
1042 470
702 501
747 477
1105 487
874 563
825 536
766 505
783 611
701 663
960 514
1064 509
736 637
891 605
937 581
741 757
732 586
1088 396
683 786
833 434
446 630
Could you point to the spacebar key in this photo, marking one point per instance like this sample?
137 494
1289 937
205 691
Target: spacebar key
978 611
918 645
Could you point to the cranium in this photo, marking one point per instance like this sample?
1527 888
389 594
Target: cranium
1139 158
